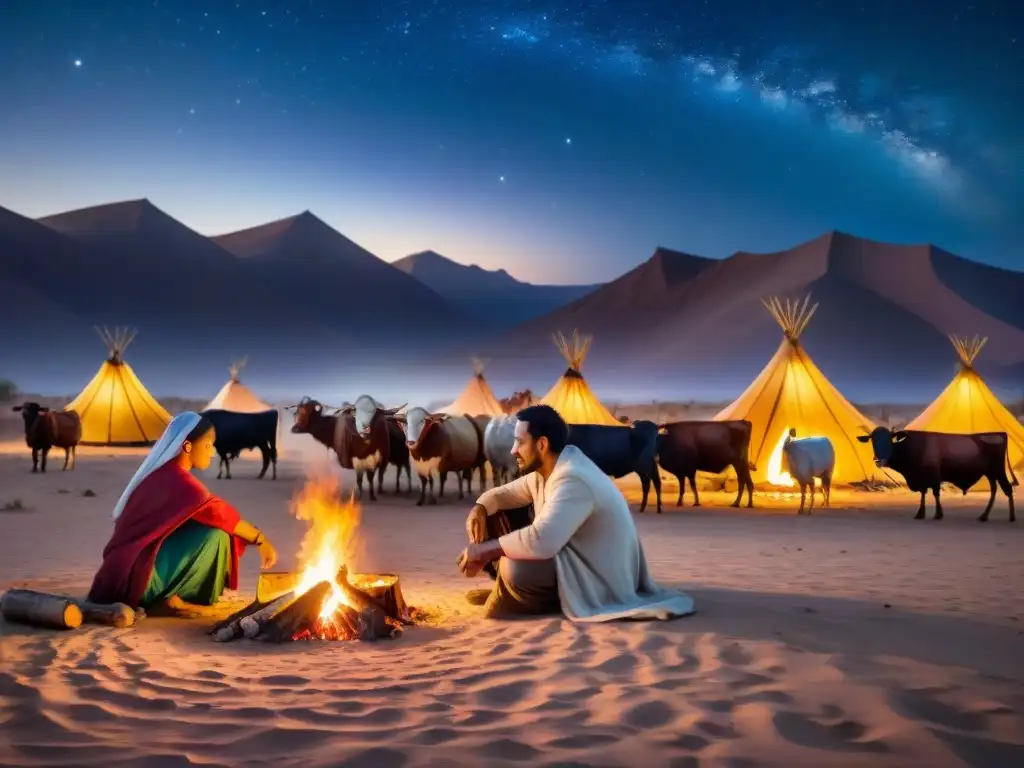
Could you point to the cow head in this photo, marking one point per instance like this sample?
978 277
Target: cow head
418 422
307 411
365 411
882 442
29 412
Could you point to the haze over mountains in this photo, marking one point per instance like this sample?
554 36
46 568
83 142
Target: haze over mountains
317 313
493 298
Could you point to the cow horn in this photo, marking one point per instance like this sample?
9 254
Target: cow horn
393 411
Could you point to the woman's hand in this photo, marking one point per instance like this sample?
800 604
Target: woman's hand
268 555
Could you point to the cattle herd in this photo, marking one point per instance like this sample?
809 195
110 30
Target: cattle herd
368 438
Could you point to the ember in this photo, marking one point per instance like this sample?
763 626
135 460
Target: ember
323 601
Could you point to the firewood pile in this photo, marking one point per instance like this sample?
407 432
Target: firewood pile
366 607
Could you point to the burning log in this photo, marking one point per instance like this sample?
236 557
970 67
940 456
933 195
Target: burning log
252 624
304 612
228 629
113 615
386 591
40 610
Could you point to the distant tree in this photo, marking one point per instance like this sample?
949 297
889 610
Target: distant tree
8 390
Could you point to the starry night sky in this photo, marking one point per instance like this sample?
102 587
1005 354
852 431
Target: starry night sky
560 140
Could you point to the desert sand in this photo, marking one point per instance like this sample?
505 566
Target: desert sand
853 637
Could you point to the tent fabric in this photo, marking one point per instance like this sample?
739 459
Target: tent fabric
967 405
477 399
791 392
117 410
570 395
235 396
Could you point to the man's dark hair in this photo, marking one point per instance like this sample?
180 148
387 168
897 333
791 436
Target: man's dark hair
200 429
545 421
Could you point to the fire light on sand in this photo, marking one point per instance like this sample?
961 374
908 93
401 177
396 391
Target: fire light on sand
322 600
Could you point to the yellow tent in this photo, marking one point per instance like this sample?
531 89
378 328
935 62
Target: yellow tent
571 396
235 396
115 407
476 399
968 405
792 393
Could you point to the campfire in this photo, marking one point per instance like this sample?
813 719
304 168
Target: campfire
322 600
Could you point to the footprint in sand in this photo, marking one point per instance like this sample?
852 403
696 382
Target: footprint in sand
505 695
844 736
923 704
650 714
735 655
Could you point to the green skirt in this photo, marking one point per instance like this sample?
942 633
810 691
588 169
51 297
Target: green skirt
192 564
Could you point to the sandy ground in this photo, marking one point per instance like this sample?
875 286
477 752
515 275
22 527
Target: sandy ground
854 637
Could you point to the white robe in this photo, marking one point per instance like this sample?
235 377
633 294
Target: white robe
582 521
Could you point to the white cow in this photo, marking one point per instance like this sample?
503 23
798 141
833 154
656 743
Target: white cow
498 439
806 459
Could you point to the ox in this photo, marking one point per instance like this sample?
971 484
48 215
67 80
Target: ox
620 451
236 432
439 443
806 459
374 441
46 429
928 459
688 447
498 440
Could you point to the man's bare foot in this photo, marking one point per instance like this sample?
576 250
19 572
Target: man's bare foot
477 596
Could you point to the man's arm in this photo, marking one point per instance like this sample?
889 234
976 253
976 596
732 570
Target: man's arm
509 496
568 507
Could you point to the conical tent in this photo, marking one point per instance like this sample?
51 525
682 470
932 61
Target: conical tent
570 395
792 393
235 396
476 399
115 407
967 405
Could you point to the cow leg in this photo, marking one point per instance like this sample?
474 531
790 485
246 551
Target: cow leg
803 498
1007 489
442 478
42 463
991 499
938 504
74 456
227 468
359 483
433 499
369 477
265 455
423 491
380 477
682 489
693 487
826 489
813 484
460 477
920 511
645 489
67 458
656 481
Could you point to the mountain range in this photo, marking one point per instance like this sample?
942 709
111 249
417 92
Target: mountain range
316 308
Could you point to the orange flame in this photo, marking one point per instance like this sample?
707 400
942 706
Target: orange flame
330 538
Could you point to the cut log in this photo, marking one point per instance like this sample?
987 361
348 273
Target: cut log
386 591
254 622
39 609
223 624
303 612
113 615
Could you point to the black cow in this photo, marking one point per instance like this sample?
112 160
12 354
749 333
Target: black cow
621 451
928 459
237 432
688 447
46 429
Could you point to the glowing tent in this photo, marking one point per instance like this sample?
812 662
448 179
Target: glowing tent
476 399
115 407
571 396
968 405
791 392
235 396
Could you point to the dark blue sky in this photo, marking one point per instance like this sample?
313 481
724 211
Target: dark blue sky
563 141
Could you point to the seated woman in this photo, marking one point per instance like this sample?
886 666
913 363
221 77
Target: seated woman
175 545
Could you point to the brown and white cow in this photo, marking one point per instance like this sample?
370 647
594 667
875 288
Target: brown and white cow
46 429
375 439
439 444
928 459
688 447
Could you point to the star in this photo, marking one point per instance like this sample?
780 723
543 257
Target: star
568 140
78 62
501 179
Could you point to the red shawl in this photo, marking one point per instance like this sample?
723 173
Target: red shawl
162 502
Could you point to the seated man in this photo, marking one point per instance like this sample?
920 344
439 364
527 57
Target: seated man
580 554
